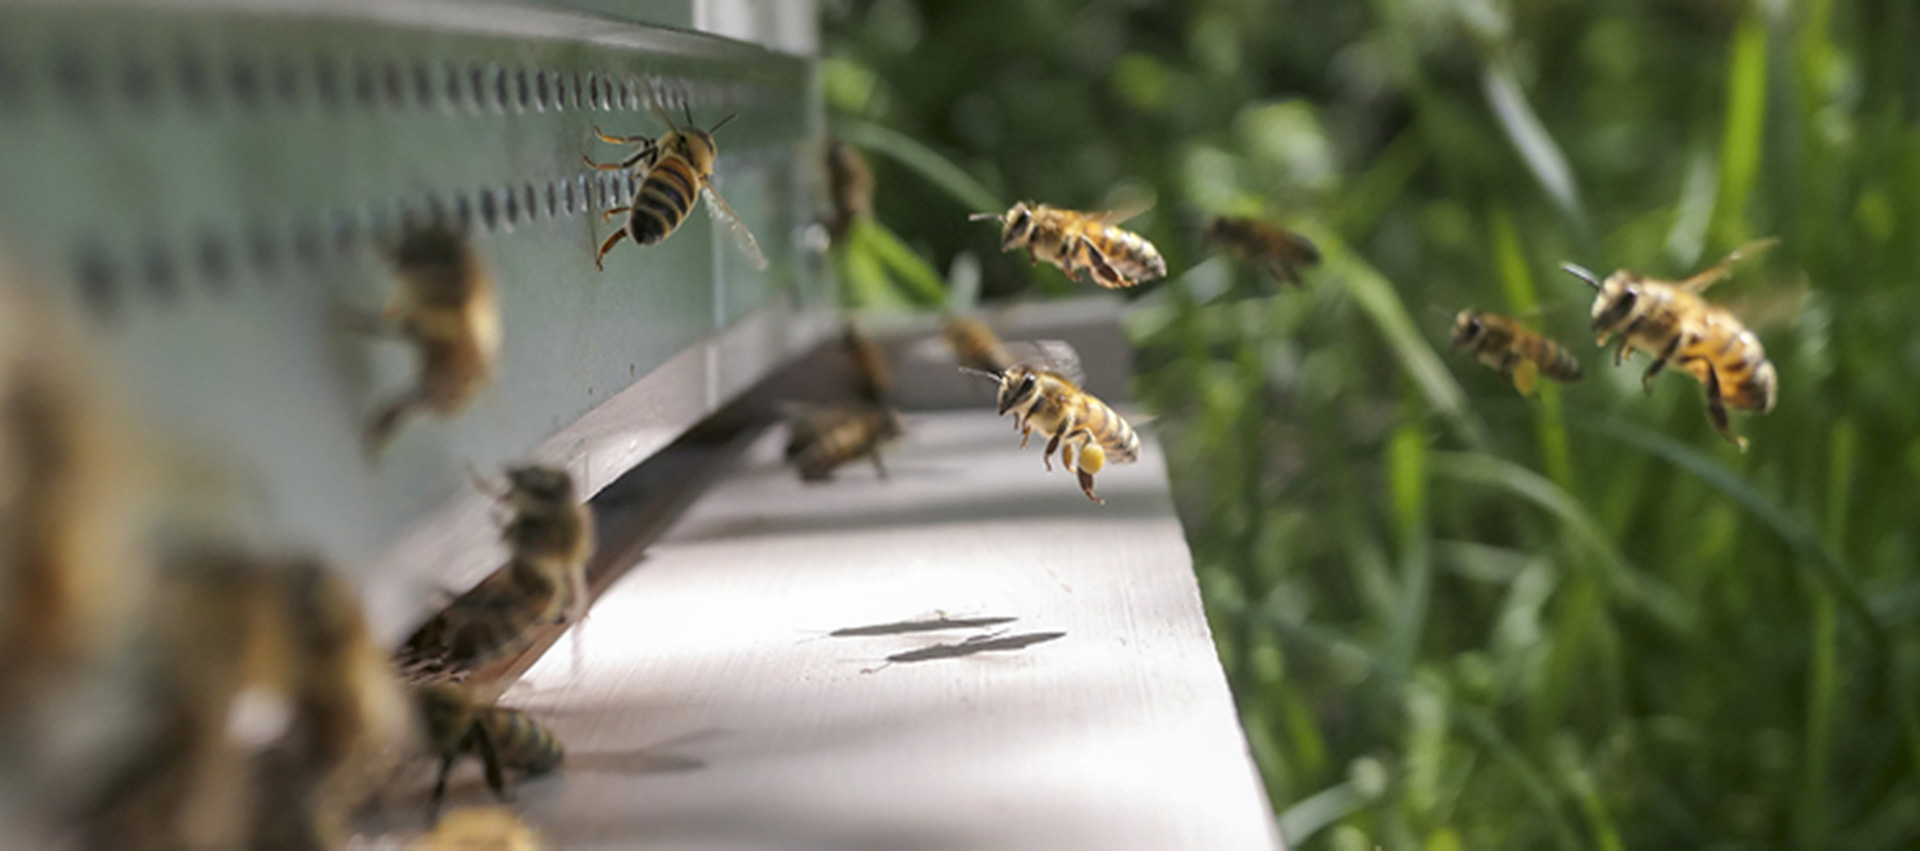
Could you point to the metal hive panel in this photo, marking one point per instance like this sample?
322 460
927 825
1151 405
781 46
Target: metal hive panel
207 184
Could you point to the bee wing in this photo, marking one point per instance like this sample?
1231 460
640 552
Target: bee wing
1125 203
1055 356
717 206
1719 271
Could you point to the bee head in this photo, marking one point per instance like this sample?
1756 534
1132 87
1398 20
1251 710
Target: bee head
1017 387
534 486
1614 306
1467 327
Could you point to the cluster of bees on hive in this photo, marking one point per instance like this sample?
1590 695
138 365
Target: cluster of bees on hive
167 687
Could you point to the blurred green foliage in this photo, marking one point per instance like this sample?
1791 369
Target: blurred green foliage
1453 617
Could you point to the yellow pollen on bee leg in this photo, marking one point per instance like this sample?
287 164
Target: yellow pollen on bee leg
1092 458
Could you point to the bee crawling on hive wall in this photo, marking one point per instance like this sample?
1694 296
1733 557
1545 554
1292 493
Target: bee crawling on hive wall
1511 348
446 307
1080 243
822 438
549 538
1670 320
456 725
677 169
1043 393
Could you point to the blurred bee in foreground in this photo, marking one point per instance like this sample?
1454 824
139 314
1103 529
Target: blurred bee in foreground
822 438
1511 348
445 305
549 539
976 346
271 708
849 188
873 381
504 739
1281 253
1078 242
478 829
678 169
1044 394
1671 321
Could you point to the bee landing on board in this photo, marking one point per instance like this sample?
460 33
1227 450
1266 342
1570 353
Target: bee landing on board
1511 348
824 438
1671 321
1044 394
1280 252
504 739
445 306
976 346
678 167
1078 242
549 540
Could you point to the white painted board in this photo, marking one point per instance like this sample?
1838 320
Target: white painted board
712 708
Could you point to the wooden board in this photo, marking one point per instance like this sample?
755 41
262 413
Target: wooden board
712 707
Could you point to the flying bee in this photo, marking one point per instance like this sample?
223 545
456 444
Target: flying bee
549 539
849 188
1671 321
1044 394
504 739
445 305
1511 348
873 381
1281 253
678 167
823 438
976 345
1078 242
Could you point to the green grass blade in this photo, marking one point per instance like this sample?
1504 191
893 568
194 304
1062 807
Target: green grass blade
1741 141
920 283
1645 591
1536 146
928 163
1517 280
1381 302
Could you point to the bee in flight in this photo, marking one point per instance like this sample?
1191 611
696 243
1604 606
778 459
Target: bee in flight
676 166
1043 393
1670 320
849 188
1280 252
549 540
976 345
824 437
1511 348
1078 242
445 306
505 739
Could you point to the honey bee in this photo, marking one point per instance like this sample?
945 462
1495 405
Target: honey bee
849 188
1044 394
873 380
676 166
549 539
822 438
504 739
976 345
1512 349
1671 321
1280 252
1078 242
269 706
445 305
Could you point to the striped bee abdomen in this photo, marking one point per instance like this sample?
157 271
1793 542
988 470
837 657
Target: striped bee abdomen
664 200
521 743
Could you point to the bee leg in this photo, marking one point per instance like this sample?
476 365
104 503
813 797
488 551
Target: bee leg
603 166
621 140
878 467
608 246
608 214
490 760
1053 444
1086 487
440 786
384 423
1659 363
1717 410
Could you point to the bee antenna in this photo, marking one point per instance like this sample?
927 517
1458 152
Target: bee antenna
981 217
981 374
723 122
1582 273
